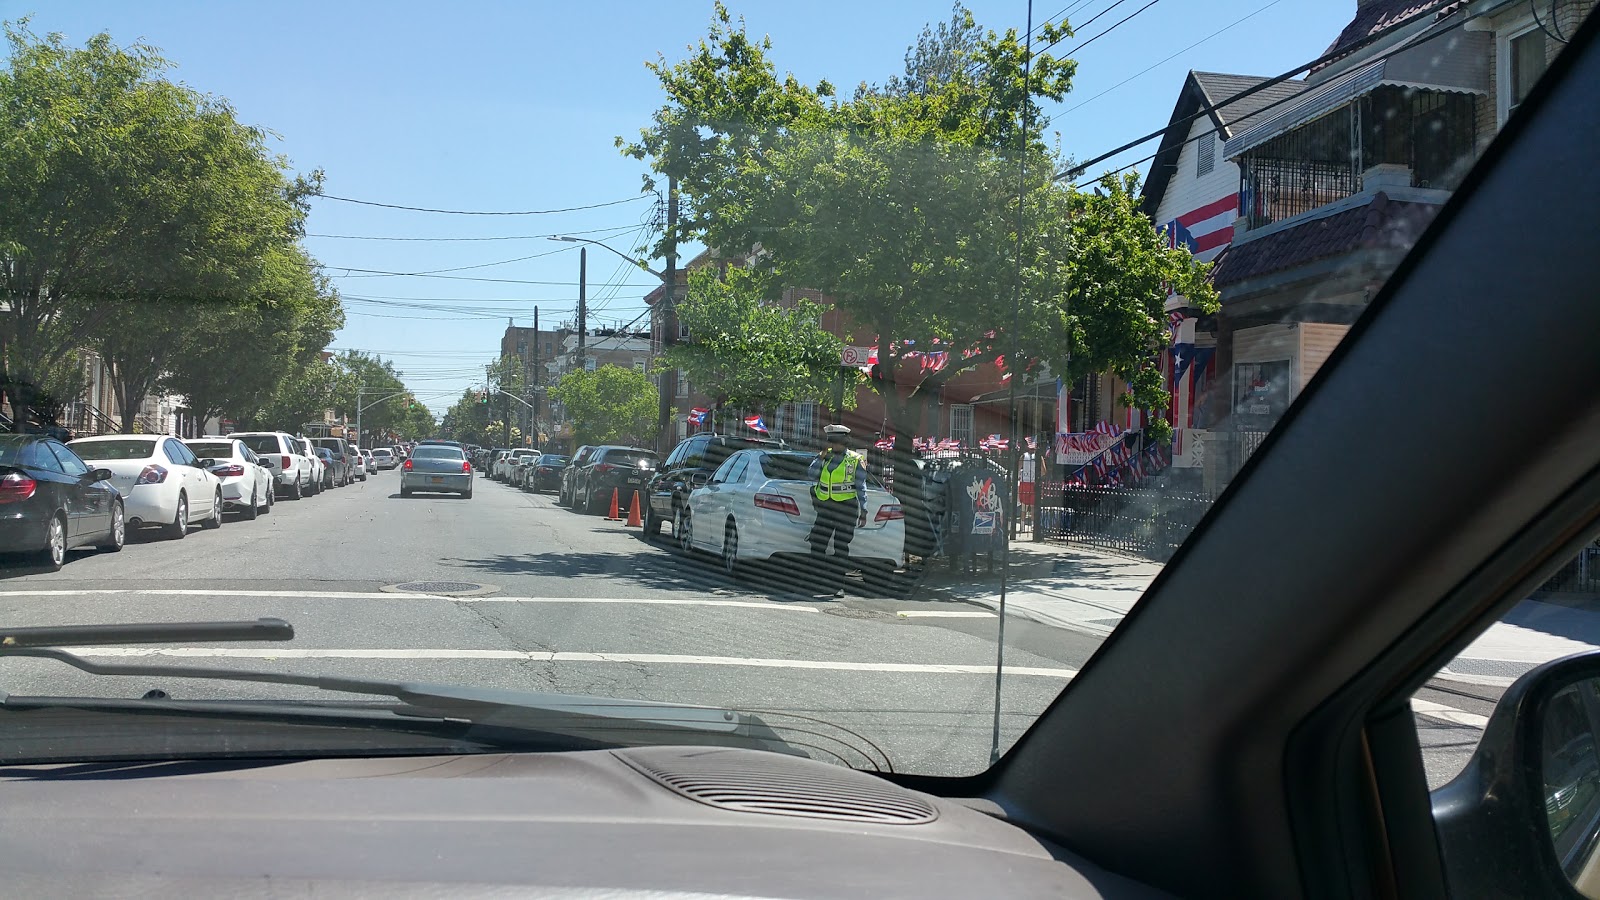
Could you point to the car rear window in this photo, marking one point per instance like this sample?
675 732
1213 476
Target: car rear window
381 453
434 451
639 458
551 460
262 443
787 466
130 448
215 451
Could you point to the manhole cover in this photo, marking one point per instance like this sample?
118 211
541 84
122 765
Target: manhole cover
442 588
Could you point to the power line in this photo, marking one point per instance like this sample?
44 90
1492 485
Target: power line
457 277
486 265
1080 169
1151 68
1120 22
506 237
479 212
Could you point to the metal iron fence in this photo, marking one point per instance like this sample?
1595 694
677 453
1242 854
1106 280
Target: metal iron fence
1140 522
1580 575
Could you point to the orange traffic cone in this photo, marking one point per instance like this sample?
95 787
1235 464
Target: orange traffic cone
633 513
613 517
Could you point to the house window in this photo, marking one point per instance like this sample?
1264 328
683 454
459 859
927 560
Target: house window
683 384
805 417
961 423
638 364
1205 154
683 332
588 364
1525 61
781 420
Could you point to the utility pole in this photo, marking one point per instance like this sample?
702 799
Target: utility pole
669 321
583 303
533 414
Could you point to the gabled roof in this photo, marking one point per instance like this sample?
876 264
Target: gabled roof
1201 94
1373 16
1380 224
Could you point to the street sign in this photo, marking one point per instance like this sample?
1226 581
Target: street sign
856 356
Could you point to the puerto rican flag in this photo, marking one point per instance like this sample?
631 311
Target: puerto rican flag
1205 230
754 423
697 416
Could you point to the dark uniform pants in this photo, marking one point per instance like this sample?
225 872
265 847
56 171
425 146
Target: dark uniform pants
836 519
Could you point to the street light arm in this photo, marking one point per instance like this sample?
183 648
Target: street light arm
363 409
640 263
514 397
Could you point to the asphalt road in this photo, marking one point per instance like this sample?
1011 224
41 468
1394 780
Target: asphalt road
578 604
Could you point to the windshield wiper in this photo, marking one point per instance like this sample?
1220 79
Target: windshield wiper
603 720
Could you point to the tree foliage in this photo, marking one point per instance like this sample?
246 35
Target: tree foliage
749 353
609 405
903 204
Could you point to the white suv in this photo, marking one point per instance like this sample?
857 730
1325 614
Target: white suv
293 472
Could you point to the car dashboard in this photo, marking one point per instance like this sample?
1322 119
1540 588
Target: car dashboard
656 822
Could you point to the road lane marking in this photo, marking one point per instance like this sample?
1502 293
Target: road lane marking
365 595
945 614
669 659
1447 713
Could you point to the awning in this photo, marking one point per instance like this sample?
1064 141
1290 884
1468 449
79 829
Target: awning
1458 64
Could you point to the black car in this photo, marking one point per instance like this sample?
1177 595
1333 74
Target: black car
52 502
565 492
335 471
611 471
546 474
688 466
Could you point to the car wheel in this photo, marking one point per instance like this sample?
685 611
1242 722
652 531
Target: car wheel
180 522
731 563
682 531
214 521
54 554
466 494
119 529
652 522
299 490
272 497
250 509
405 492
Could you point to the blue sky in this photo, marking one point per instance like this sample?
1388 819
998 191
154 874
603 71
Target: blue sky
516 105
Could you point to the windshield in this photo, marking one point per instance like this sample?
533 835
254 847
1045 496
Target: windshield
1041 294
214 451
124 449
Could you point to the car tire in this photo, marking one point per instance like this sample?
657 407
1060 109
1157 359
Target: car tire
652 522
732 566
54 553
466 494
215 520
250 509
272 497
682 530
119 530
405 492
299 492
179 526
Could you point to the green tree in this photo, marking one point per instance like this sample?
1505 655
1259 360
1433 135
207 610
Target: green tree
467 420
748 352
903 204
302 395
510 375
129 200
609 405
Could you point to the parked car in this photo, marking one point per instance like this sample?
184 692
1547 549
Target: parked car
506 465
579 457
161 481
246 484
545 473
522 468
51 501
688 466
757 505
367 465
319 467
384 458
334 473
437 467
612 470
350 469
294 473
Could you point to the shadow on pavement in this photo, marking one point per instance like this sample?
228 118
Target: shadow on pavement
1578 621
782 580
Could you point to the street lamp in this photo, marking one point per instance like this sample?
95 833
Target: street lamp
668 281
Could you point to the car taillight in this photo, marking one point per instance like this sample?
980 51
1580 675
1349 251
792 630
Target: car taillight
16 486
466 466
227 471
781 502
603 468
287 463
889 512
408 465
151 474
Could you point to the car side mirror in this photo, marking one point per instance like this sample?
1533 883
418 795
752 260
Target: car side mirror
1523 818
204 463
97 475
699 479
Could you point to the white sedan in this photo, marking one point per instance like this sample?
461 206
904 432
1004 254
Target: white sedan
160 479
246 484
758 505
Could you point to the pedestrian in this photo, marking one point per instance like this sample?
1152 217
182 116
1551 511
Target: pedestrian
839 496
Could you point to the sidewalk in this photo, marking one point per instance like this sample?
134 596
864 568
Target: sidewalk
1089 591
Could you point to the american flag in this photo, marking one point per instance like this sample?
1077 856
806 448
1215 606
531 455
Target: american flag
884 443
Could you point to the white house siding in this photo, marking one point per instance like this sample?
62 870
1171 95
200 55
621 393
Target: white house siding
1317 340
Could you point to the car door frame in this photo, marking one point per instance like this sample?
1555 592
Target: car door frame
95 495
1246 730
196 479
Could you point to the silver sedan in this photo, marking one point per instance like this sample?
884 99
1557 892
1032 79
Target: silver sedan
437 467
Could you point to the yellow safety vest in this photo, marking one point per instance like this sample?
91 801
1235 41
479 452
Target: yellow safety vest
837 480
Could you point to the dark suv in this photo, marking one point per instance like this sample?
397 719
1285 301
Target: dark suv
688 466
349 459
580 456
611 470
